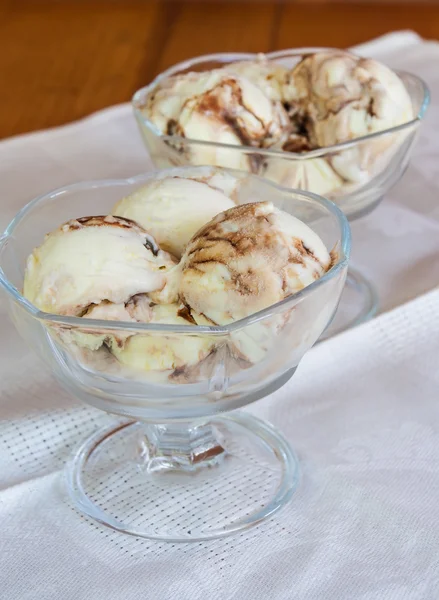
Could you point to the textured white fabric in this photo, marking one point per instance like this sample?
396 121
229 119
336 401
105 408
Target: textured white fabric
362 412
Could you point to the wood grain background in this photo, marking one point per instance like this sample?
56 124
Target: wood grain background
60 61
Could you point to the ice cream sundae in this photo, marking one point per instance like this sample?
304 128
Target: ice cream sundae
243 259
326 99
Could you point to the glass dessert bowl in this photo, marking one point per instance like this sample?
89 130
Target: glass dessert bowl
366 167
177 467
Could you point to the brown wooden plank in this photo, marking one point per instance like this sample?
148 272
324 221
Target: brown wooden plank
205 27
349 23
62 61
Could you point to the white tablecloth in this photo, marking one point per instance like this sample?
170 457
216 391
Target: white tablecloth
362 412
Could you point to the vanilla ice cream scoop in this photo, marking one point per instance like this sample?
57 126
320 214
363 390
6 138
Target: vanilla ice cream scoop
336 97
246 259
93 259
343 97
217 106
162 351
173 209
267 75
315 174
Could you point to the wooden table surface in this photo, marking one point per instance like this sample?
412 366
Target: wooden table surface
60 61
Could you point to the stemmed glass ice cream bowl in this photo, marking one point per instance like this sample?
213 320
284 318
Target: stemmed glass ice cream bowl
181 464
355 174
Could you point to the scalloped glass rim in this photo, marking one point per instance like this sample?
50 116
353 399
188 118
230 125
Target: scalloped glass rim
344 252
140 94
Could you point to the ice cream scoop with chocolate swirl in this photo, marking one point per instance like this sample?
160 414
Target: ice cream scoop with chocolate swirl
172 209
109 268
267 75
221 107
335 97
246 259
340 97
91 260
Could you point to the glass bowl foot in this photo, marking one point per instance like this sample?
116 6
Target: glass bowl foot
183 482
358 303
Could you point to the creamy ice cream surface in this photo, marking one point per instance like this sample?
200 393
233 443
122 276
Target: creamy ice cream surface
162 351
342 97
314 174
248 258
267 75
217 106
172 209
93 259
335 97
